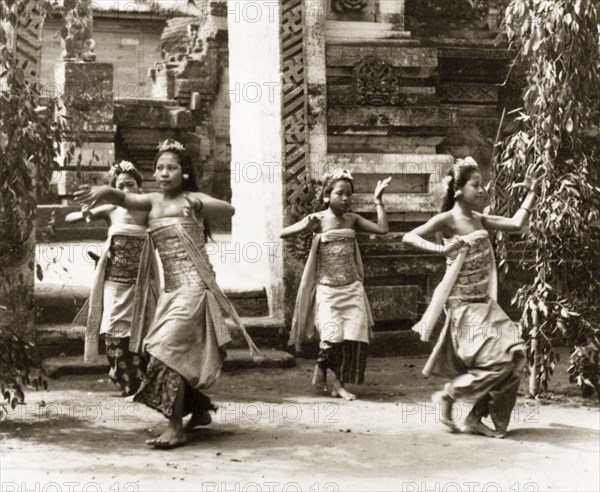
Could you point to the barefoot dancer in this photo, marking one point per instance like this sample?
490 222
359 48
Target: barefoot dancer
331 295
479 346
186 341
111 307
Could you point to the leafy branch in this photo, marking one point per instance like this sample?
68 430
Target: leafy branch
555 138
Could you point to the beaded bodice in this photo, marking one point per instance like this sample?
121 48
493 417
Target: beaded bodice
178 267
336 263
474 277
124 258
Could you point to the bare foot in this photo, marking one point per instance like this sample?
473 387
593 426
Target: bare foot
196 420
443 401
340 392
472 425
169 439
319 380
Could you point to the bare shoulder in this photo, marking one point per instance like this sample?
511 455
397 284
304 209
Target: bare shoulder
479 216
153 195
353 217
443 219
442 222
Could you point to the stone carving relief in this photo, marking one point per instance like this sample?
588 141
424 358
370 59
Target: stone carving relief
376 83
349 5
77 33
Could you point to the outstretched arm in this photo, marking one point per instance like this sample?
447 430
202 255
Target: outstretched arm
521 218
131 201
88 214
308 223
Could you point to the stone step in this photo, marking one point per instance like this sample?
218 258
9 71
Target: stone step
343 37
236 359
394 144
152 113
359 26
341 31
60 303
384 117
399 43
56 339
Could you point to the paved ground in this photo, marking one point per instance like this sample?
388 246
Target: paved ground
273 433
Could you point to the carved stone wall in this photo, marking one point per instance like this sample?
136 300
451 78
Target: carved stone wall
28 41
17 311
296 174
190 102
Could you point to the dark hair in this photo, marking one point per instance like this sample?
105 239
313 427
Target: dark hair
185 161
329 182
130 169
187 167
457 177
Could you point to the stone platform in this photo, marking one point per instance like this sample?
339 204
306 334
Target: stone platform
236 359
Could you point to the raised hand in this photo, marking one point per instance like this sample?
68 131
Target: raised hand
380 188
531 183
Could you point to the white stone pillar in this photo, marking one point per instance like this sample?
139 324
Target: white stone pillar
256 142
316 80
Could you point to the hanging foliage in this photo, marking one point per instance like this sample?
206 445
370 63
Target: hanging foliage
556 139
31 131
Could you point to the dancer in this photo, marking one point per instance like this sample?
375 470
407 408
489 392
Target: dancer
186 341
116 289
479 347
331 295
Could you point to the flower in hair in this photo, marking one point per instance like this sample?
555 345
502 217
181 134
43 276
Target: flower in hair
123 166
170 145
339 174
466 162
447 181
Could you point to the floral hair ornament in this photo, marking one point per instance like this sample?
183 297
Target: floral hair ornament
171 145
466 162
122 167
447 181
338 174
